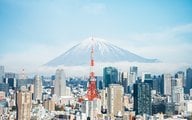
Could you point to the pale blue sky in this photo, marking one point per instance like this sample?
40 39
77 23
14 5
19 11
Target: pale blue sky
146 27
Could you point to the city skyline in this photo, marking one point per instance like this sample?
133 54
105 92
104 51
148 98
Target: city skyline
34 32
95 59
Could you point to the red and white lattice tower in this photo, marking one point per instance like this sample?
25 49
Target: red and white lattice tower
92 90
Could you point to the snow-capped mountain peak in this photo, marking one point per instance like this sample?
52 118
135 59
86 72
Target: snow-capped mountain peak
104 51
99 43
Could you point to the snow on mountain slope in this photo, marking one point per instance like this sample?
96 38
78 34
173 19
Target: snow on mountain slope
103 52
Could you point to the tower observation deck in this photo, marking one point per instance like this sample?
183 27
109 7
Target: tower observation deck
92 92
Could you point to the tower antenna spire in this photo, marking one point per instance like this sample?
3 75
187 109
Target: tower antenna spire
92 74
92 91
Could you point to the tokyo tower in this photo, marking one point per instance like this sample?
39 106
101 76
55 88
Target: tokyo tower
92 90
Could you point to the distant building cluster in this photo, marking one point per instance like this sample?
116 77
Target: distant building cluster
123 95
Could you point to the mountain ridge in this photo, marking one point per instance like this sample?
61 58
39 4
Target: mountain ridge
104 51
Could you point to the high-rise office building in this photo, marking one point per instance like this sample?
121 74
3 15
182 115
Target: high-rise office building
142 99
181 76
177 94
24 105
177 91
188 84
146 76
110 76
11 79
167 83
2 74
103 94
99 81
131 80
124 77
37 88
60 83
161 84
12 82
119 76
133 73
155 84
179 82
134 69
115 99
152 81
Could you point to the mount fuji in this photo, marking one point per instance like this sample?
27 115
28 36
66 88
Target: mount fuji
104 51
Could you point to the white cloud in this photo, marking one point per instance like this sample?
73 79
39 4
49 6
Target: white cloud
30 59
167 36
169 53
153 68
33 59
171 45
183 28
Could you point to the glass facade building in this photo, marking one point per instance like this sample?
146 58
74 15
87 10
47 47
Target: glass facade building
142 99
110 76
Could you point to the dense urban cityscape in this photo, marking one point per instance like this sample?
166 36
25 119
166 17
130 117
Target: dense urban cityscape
119 96
95 60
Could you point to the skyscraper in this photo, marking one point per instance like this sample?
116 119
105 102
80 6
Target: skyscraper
110 76
99 81
24 105
181 76
188 84
156 83
146 77
178 94
115 99
125 83
37 88
134 72
167 84
2 74
60 83
11 79
161 86
103 94
152 81
142 99
134 69
131 81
